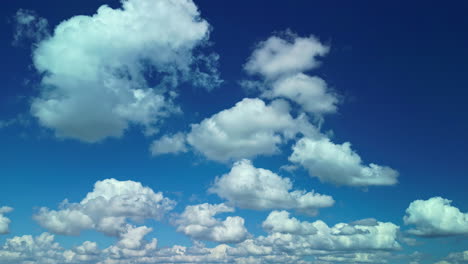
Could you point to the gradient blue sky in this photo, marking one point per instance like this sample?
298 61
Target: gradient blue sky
399 70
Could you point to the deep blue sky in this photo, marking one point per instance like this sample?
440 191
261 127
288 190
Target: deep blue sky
401 70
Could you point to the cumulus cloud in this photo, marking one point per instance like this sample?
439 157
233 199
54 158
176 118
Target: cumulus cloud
198 222
248 129
248 187
312 93
298 238
339 164
29 249
86 252
281 63
4 221
169 144
279 221
106 209
288 242
436 217
105 72
278 56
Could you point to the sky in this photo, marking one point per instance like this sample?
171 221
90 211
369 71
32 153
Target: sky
180 131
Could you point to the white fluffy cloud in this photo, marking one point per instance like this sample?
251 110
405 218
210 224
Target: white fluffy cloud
198 222
277 56
279 221
312 93
281 63
248 129
436 217
299 237
248 187
105 72
339 164
27 249
169 144
106 209
4 221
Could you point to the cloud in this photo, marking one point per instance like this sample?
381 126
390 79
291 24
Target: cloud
277 56
169 144
198 222
339 164
436 217
23 249
281 63
311 93
458 257
248 129
298 238
280 222
106 209
248 187
117 68
29 27
87 252
355 257
4 221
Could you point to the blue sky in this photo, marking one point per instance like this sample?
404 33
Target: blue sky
172 131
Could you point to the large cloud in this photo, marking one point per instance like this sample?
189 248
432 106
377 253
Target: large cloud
106 209
198 222
248 187
248 129
436 217
107 71
4 221
339 164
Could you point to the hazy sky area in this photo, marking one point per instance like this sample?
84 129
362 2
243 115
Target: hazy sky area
237 132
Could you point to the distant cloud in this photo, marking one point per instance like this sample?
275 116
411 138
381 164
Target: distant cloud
248 187
339 164
29 27
106 209
4 221
105 72
300 238
436 217
198 222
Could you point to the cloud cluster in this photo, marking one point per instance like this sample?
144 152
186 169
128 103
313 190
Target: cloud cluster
281 62
254 188
339 164
305 238
436 217
106 209
4 221
104 72
198 222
